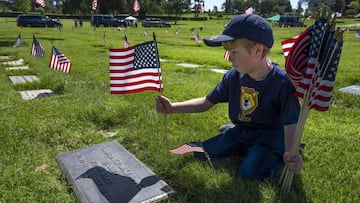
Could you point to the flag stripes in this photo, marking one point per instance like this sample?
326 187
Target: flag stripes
41 3
187 147
59 61
312 59
94 5
136 5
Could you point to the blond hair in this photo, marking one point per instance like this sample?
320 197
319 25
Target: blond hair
247 44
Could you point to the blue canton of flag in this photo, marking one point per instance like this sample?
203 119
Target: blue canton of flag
36 48
146 56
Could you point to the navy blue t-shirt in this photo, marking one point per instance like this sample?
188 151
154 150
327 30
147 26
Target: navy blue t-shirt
260 109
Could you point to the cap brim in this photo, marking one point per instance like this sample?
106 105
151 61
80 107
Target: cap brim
217 40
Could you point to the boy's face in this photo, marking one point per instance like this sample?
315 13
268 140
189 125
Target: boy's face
245 60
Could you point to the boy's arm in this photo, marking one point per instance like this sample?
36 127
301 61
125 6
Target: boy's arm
164 105
293 163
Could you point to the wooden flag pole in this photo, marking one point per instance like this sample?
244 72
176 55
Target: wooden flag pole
207 156
161 93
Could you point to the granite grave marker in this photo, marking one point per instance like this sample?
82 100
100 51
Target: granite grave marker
107 172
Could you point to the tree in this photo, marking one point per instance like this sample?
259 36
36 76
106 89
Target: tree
23 5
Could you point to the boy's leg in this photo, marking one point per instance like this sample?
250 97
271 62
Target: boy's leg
220 145
261 162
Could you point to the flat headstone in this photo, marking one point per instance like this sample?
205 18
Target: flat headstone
219 70
4 57
23 79
354 89
107 172
35 94
188 65
14 63
17 68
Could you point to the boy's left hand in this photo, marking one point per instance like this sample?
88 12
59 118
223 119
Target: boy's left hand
293 163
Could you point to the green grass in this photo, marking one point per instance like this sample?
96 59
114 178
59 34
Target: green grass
82 111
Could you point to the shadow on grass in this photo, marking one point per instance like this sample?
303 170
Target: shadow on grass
238 189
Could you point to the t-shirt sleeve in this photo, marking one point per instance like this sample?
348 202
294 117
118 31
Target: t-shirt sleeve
290 105
221 91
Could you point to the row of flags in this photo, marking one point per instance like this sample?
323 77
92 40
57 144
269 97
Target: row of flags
311 62
94 5
58 61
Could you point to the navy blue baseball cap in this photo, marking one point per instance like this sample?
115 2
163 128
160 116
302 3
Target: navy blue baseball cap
250 26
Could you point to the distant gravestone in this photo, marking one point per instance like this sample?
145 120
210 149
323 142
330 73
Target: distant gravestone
35 94
23 79
17 68
354 89
107 172
14 63
223 71
188 65
4 57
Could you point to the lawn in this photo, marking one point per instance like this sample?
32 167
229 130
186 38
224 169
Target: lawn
83 111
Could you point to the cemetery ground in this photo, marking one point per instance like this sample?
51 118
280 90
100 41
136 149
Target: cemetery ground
81 112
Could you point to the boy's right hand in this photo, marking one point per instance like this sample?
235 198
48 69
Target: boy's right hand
163 105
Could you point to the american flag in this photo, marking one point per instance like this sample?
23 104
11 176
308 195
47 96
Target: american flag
314 60
197 38
202 8
251 9
136 5
311 63
59 61
135 69
187 147
296 55
36 48
94 5
41 3
126 42
18 41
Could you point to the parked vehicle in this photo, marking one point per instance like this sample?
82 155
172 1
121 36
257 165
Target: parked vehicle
154 22
290 21
101 20
36 20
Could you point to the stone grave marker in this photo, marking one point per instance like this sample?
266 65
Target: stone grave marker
23 79
17 68
34 94
188 65
223 71
14 63
354 89
4 57
107 172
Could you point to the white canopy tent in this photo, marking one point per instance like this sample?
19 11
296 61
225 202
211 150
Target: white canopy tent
131 21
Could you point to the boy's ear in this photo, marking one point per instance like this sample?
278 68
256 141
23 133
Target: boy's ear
259 50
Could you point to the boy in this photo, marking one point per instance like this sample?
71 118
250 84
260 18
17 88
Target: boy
262 106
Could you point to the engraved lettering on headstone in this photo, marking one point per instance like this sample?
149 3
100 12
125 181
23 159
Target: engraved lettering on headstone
121 166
